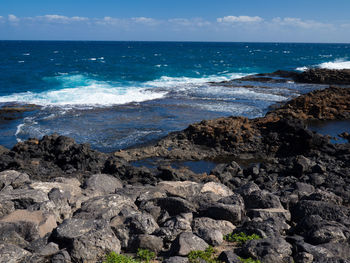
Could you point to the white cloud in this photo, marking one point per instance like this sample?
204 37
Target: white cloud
60 19
239 19
145 20
298 22
194 22
13 18
107 20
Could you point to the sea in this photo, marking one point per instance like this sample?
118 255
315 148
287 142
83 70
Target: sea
115 95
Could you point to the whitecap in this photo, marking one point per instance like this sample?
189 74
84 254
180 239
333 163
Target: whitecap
337 64
79 90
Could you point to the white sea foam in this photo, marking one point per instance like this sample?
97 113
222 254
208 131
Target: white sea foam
337 64
187 81
78 90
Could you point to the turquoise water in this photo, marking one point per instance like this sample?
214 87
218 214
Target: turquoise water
119 94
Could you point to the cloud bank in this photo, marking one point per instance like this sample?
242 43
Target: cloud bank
225 28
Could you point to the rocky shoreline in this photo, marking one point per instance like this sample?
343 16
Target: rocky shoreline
275 180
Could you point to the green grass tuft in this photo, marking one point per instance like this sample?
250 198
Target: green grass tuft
207 255
117 258
240 238
145 255
249 260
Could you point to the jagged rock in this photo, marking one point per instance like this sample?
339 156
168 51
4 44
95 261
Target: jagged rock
50 249
281 213
23 198
187 242
174 226
6 207
217 189
61 257
261 199
211 236
269 250
44 223
218 211
175 205
103 183
140 223
150 242
11 253
225 227
13 178
270 227
86 240
104 207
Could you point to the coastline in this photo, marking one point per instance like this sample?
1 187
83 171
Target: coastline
292 190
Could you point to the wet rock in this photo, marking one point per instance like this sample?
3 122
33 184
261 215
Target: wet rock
187 242
269 250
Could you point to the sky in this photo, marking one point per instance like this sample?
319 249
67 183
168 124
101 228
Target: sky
180 20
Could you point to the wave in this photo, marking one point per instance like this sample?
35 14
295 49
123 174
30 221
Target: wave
79 90
337 64
166 81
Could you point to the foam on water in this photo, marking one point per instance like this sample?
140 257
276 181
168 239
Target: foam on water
337 64
78 90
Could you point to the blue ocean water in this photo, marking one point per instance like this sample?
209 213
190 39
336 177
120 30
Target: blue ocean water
119 94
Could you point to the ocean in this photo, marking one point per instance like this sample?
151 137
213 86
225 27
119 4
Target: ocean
115 95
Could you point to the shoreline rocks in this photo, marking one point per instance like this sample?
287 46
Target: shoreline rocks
63 202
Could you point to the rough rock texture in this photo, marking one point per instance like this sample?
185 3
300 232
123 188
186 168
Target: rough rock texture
63 202
326 104
324 76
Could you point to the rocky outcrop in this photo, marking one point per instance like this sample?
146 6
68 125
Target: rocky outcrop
324 76
327 104
63 202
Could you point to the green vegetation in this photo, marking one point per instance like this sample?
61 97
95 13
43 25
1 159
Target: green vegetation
207 255
249 260
145 255
117 258
240 238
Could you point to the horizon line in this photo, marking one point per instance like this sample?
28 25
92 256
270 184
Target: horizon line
170 41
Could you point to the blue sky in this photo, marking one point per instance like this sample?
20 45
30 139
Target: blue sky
191 20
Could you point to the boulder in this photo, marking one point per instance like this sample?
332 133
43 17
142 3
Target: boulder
225 227
103 183
86 240
187 242
44 223
269 250
104 207
12 254
13 178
